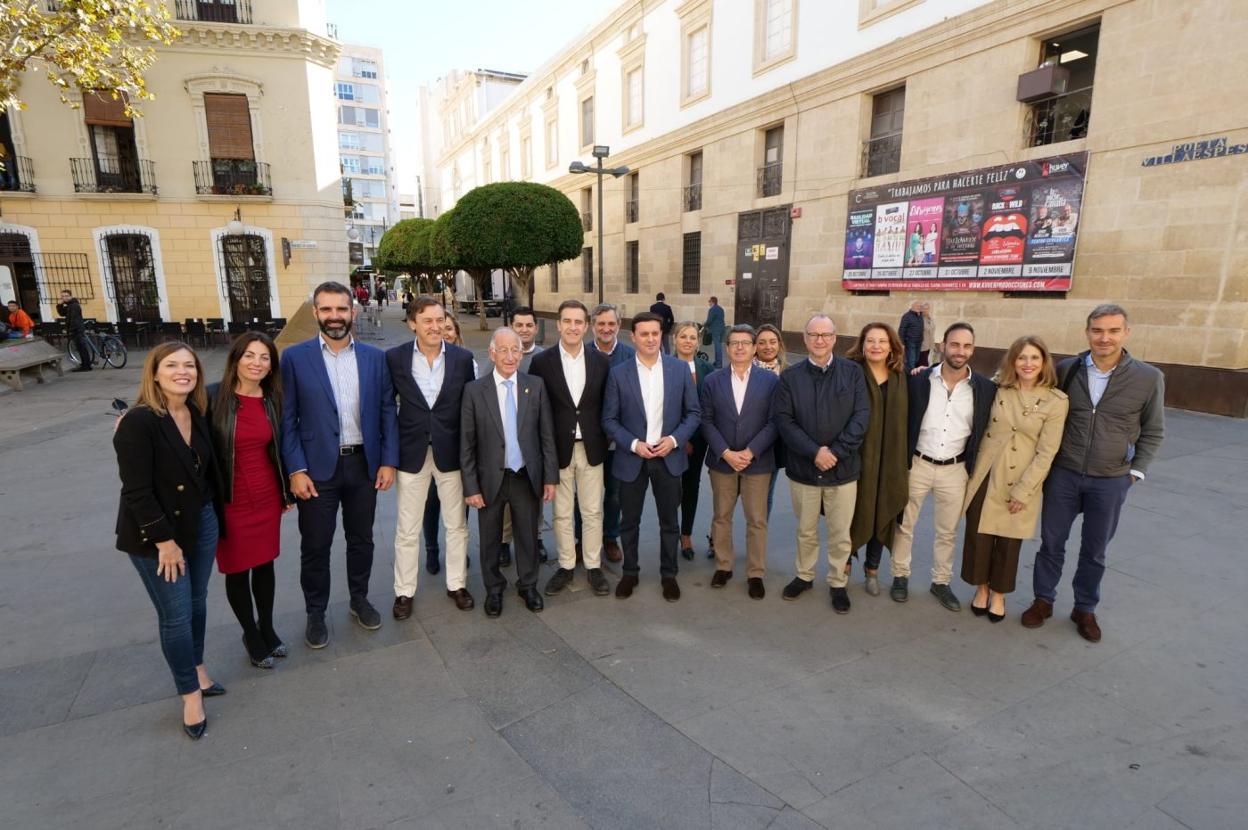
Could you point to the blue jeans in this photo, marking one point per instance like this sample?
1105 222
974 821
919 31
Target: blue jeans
1066 495
912 355
719 352
181 605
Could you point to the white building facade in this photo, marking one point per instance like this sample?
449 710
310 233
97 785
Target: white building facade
370 192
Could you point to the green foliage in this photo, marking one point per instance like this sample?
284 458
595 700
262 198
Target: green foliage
405 247
89 44
514 225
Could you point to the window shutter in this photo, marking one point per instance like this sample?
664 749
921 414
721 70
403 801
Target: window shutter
229 126
100 108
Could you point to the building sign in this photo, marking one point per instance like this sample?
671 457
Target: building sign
355 253
1007 228
1213 148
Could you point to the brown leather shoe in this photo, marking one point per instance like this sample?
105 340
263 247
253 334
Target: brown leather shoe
402 607
612 550
463 599
720 579
1085 621
1039 611
624 588
671 591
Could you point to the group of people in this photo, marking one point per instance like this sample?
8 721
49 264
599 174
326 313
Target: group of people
590 425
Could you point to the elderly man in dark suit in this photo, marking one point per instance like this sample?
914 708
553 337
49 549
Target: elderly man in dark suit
650 410
740 437
429 378
575 377
507 454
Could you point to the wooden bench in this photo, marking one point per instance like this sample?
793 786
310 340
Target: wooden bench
29 356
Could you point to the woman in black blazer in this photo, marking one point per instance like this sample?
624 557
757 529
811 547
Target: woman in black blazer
685 344
169 517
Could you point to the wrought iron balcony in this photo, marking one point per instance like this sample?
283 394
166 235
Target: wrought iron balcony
630 211
17 175
693 197
213 11
770 179
232 177
113 174
881 155
587 220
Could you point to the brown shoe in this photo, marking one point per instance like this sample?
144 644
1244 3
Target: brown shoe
1039 611
463 599
671 591
402 607
612 550
624 588
1085 621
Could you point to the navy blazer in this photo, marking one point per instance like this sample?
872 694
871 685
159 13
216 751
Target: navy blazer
624 415
420 426
752 429
310 415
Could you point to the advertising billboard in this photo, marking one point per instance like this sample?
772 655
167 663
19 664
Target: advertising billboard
1006 228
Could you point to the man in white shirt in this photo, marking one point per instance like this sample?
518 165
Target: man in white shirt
949 409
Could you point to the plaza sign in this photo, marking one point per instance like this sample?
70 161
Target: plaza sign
1213 148
1005 228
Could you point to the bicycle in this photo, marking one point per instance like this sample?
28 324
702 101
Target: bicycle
107 347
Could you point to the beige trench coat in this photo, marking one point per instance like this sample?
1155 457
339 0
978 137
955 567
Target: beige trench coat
1015 454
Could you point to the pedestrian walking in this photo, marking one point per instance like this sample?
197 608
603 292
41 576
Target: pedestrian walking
713 329
661 308
910 331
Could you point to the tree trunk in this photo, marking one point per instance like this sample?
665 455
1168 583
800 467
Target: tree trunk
480 277
522 285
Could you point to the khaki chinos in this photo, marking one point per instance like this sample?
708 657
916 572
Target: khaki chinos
413 490
752 490
947 484
838 504
583 482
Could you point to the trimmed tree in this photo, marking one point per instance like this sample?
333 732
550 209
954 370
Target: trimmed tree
404 248
516 226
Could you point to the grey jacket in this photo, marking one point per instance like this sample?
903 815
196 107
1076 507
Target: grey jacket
482 447
1124 431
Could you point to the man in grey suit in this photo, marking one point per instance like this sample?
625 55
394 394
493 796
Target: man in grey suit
508 459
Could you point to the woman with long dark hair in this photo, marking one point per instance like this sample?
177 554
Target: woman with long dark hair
685 345
769 355
246 416
883 487
168 519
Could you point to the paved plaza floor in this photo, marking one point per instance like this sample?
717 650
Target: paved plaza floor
713 712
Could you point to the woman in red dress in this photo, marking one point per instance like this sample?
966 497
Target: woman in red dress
246 416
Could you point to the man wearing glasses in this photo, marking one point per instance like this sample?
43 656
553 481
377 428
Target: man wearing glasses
821 413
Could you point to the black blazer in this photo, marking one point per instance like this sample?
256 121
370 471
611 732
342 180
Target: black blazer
420 426
983 391
548 365
159 497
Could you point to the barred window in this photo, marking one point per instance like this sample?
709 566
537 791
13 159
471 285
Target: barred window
691 264
587 270
633 258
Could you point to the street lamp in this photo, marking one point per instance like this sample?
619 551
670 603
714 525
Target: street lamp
601 151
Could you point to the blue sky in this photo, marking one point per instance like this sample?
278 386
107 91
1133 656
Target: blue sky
423 39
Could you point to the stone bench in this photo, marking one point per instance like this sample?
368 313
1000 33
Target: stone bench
29 356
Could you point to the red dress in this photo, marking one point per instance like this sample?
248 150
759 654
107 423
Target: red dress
254 513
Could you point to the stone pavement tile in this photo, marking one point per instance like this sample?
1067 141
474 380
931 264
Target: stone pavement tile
520 805
742 817
1217 799
914 792
37 694
1155 819
731 787
791 819
508 677
616 763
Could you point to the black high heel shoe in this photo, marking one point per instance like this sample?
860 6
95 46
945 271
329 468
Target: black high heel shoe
977 611
996 618
274 644
195 731
264 662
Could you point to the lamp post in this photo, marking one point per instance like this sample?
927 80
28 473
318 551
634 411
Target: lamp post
601 151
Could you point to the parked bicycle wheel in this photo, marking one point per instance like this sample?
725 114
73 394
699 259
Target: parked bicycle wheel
114 351
71 352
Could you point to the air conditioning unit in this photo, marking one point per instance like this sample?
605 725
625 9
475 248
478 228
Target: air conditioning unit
1044 82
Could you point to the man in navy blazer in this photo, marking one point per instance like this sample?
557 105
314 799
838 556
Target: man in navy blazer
650 409
740 438
340 444
429 377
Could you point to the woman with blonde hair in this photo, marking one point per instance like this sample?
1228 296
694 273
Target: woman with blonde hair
1003 495
169 519
685 345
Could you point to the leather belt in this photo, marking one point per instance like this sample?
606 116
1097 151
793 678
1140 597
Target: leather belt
957 459
350 449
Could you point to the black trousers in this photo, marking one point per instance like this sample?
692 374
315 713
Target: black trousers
84 347
690 484
666 498
353 489
517 491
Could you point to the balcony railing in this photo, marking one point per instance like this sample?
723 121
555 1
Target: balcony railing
630 211
587 220
232 177
1060 118
770 179
113 174
693 197
881 155
17 175
222 11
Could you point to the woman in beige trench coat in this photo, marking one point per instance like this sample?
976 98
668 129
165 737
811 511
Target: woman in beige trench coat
1003 495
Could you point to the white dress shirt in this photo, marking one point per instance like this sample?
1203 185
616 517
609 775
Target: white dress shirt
739 386
574 375
946 424
344 378
651 380
429 378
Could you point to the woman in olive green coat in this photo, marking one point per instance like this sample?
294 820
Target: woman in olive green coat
883 488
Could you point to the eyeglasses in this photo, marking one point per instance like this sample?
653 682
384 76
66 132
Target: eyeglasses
819 335
509 351
739 344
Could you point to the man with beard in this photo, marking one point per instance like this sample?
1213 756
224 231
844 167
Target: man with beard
949 410
340 442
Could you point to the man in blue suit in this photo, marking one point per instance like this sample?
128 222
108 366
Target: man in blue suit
650 409
714 327
740 438
605 320
340 443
